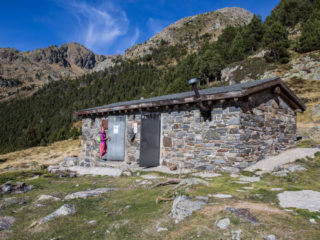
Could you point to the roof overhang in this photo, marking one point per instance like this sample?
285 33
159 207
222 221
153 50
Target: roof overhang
276 83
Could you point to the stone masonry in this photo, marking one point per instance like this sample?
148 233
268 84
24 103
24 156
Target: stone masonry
236 134
239 133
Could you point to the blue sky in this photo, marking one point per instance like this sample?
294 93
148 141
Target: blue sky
105 27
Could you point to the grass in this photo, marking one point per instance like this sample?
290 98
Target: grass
139 221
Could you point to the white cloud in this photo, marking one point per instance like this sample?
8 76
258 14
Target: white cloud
99 26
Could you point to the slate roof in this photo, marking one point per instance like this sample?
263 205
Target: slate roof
204 92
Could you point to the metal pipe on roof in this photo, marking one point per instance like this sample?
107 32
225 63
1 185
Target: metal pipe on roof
193 82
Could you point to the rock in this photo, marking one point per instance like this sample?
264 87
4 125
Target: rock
223 223
128 174
146 182
64 210
220 195
202 198
250 179
37 205
305 199
241 182
151 176
183 206
93 222
173 167
18 187
276 189
193 181
313 221
11 201
48 197
233 170
269 237
206 175
6 222
89 193
160 229
283 170
248 188
243 213
236 234
70 161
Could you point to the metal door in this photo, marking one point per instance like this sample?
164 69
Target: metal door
116 143
150 140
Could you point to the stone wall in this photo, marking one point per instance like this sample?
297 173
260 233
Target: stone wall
188 138
90 147
236 134
239 133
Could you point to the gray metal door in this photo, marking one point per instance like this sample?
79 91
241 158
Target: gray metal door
150 140
116 132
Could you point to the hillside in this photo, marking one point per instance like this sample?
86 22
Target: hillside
30 70
190 31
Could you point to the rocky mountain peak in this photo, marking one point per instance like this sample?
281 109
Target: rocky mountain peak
188 29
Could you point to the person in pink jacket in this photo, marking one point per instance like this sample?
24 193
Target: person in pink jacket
103 142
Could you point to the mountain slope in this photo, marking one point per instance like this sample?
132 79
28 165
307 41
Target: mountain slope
189 30
30 69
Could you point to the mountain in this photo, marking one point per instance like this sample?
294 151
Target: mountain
189 30
23 73
31 69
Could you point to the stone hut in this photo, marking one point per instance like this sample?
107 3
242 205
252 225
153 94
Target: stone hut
235 126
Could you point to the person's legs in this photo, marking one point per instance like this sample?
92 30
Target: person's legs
102 149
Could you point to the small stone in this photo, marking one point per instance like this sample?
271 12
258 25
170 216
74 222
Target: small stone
236 234
220 195
312 220
48 198
202 198
6 222
161 229
241 182
233 170
77 185
173 167
250 179
276 189
93 222
248 188
128 174
269 237
240 190
223 223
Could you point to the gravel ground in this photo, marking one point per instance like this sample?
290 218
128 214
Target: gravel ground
291 155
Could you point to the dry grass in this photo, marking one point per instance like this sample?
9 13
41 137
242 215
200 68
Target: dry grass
36 156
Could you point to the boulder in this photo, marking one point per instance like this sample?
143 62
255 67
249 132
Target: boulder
89 193
183 206
305 199
223 223
48 198
64 210
6 222
236 234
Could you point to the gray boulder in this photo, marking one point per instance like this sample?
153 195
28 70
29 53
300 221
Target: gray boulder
223 223
269 237
305 199
64 210
183 206
89 193
6 222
